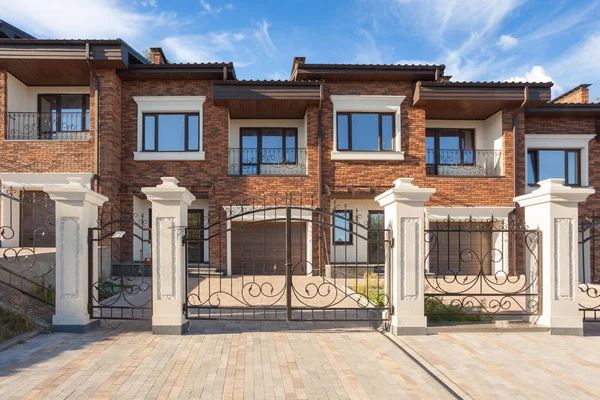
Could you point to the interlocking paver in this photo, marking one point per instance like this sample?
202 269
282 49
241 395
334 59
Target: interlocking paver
295 361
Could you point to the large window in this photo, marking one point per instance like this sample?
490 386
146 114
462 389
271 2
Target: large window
64 112
362 131
267 146
342 227
171 132
546 164
450 146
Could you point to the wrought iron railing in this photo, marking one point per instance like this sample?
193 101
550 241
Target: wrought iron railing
254 161
464 162
48 126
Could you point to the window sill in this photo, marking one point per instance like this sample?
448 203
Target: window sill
368 155
168 155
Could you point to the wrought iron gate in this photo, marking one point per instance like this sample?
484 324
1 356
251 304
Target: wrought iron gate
589 272
27 260
283 258
121 286
476 270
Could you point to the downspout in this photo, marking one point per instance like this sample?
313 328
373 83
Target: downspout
96 177
515 134
320 178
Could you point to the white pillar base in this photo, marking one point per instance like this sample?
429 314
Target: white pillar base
409 326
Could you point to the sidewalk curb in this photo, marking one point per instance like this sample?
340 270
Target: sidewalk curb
18 339
452 387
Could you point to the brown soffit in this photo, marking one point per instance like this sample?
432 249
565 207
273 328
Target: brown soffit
266 99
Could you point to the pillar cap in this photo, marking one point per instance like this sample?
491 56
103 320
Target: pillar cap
74 191
169 191
404 191
553 190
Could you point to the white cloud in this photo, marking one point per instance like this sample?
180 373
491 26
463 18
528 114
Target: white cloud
368 52
149 3
229 6
210 47
537 73
239 36
507 42
208 9
262 36
279 75
100 19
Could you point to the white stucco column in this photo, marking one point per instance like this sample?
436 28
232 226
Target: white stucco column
553 210
404 216
76 211
169 213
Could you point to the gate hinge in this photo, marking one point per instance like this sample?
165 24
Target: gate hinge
392 242
183 238
392 310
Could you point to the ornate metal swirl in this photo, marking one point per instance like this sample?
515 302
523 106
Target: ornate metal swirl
464 162
481 266
48 126
253 161
29 268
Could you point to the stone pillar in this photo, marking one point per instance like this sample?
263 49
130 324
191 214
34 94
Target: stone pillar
76 211
553 209
404 216
169 213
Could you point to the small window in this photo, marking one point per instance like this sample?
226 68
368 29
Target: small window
267 146
171 132
365 131
546 164
342 232
450 146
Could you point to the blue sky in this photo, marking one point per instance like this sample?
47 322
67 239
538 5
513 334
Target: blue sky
535 40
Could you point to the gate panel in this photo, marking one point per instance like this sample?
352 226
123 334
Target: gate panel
589 274
121 287
476 270
269 260
28 255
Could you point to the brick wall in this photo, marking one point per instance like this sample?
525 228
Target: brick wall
570 125
41 155
451 191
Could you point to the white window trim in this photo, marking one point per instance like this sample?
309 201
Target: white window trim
157 104
567 141
345 103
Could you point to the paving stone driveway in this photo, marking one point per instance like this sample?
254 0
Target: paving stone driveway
298 361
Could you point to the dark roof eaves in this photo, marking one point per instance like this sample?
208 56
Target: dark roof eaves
485 84
568 92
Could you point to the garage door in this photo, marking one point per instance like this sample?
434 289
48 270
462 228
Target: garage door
259 249
35 230
462 251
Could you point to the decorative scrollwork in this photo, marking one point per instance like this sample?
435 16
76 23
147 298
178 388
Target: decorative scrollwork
252 161
464 162
48 126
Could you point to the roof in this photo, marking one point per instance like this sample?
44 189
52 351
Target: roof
75 42
11 31
490 84
332 72
210 70
568 92
566 110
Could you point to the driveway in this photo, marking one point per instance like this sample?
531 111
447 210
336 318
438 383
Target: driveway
298 361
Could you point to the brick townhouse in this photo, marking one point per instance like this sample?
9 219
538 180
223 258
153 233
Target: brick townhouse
98 110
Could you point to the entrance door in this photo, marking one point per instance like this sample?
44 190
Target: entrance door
376 236
195 242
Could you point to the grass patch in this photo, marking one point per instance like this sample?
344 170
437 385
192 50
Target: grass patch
43 293
375 292
14 324
447 313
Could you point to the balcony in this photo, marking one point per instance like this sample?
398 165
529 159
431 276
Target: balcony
254 161
464 162
48 126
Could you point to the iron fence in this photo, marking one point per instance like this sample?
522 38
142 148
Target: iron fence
267 161
464 162
48 126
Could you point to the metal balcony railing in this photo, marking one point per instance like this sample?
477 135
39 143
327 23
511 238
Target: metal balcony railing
254 161
48 126
452 162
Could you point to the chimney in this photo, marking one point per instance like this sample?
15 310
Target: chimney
579 94
157 56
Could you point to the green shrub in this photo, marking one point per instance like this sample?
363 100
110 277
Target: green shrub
438 312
